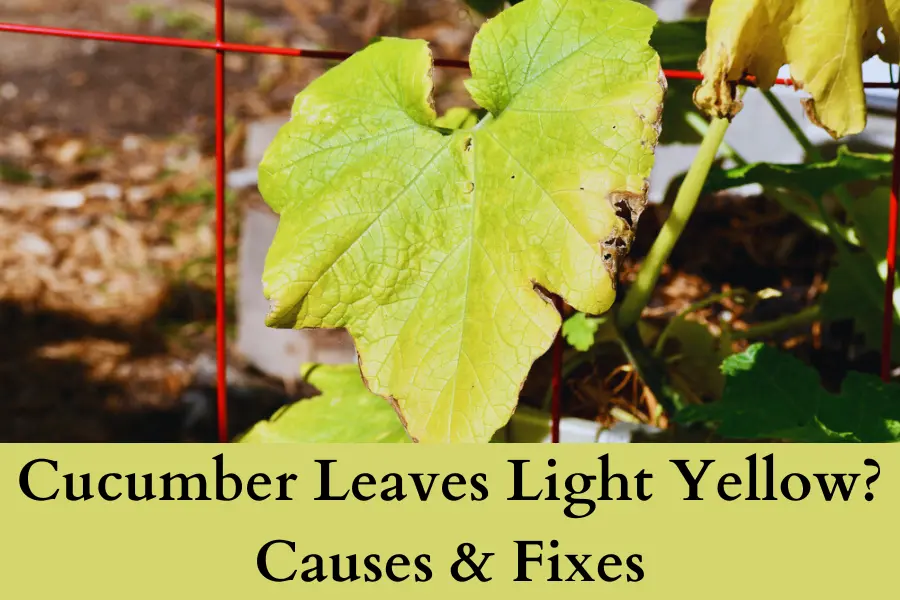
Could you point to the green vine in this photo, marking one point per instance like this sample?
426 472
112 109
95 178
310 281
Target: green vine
639 293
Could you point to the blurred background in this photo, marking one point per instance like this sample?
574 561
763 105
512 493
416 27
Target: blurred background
107 267
107 271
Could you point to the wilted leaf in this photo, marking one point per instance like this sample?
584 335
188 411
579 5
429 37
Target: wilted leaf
814 179
346 412
428 246
825 44
769 394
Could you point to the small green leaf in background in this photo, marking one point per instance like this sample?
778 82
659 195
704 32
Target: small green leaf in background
814 179
346 412
868 217
579 331
693 355
769 394
679 45
856 282
527 426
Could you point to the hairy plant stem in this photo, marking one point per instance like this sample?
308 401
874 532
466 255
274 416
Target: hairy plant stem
639 293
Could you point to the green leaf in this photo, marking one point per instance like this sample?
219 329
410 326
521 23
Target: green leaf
346 412
429 247
693 355
869 217
856 282
814 179
527 426
579 331
680 43
769 394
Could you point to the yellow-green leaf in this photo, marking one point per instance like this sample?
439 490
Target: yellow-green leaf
825 44
346 412
430 245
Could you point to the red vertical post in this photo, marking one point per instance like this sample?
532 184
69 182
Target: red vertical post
887 324
221 363
556 381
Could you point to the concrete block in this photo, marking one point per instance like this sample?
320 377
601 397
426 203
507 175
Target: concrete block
276 352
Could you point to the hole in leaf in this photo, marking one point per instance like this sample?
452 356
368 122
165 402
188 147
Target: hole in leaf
623 211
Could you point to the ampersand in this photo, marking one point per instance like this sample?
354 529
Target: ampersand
466 553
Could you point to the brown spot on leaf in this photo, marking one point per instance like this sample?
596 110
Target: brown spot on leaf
717 95
544 294
628 207
809 107
393 401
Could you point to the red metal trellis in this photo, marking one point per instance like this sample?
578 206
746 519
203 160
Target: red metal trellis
221 47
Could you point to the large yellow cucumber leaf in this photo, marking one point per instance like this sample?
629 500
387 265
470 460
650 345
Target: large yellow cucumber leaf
825 43
431 245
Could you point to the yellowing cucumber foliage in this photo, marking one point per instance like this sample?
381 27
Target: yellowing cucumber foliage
432 245
825 43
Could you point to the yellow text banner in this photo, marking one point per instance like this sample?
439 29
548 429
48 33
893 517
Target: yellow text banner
406 521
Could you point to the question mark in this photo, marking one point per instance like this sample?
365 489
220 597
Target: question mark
870 462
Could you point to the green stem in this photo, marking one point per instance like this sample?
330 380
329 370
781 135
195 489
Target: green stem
699 305
701 126
639 293
811 151
799 319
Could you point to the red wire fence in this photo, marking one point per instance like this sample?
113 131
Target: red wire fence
221 47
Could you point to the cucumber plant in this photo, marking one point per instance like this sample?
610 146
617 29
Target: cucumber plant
437 241
437 248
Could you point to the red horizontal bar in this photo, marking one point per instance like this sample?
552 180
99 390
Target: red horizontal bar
298 52
151 40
